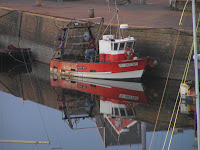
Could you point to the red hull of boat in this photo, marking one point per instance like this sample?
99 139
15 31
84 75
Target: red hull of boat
108 70
133 93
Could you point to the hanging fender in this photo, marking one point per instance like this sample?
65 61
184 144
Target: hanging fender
128 54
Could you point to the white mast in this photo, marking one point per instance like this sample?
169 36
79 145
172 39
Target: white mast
196 69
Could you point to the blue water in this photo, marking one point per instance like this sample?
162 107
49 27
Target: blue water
24 122
30 121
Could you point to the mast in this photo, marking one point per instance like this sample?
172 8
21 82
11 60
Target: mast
196 69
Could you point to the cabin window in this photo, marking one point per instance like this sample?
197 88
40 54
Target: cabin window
122 111
129 45
121 47
116 46
130 112
116 112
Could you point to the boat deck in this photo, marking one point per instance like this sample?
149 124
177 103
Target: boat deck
76 58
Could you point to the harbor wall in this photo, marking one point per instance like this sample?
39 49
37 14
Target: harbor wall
40 33
180 4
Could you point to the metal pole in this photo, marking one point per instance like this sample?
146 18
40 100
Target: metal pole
24 142
196 69
143 130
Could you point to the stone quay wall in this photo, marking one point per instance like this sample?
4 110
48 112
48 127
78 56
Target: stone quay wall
180 4
40 33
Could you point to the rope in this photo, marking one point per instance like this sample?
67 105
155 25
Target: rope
165 88
180 22
187 67
15 58
55 53
165 85
110 22
29 76
6 87
117 17
7 14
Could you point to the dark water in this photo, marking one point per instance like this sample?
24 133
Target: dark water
81 114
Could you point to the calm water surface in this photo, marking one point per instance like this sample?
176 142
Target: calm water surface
81 114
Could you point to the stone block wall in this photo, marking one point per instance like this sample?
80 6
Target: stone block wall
38 32
180 4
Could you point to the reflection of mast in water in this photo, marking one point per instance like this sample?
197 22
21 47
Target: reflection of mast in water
74 109
143 130
116 100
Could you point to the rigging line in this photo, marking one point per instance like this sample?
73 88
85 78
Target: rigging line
20 25
33 147
165 85
180 97
56 24
117 17
7 13
14 57
175 122
110 22
169 71
164 89
7 87
184 75
176 102
187 66
38 83
19 34
15 67
30 77
180 22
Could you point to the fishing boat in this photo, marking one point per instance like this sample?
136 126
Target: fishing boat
109 89
115 59
13 54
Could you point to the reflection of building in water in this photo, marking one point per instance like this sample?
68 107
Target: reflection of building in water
121 128
116 108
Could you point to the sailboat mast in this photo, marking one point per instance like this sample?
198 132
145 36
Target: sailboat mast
196 69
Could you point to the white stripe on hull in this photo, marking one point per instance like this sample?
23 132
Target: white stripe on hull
106 75
110 83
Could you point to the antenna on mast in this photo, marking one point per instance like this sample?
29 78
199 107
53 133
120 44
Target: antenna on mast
122 27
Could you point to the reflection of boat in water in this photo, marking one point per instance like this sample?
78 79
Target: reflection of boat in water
117 98
118 120
118 90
